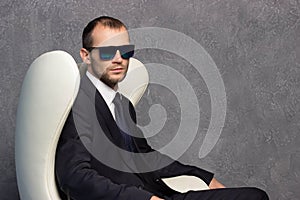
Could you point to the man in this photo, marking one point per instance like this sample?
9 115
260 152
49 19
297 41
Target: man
96 152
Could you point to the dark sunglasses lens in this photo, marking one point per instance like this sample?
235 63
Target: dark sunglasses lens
105 56
128 55
107 53
127 51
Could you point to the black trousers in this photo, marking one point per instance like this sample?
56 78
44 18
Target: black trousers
243 193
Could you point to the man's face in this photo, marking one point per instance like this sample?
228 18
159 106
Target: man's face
110 71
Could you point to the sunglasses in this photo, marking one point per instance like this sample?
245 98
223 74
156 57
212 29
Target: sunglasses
109 52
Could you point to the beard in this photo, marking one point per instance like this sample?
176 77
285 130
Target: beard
108 81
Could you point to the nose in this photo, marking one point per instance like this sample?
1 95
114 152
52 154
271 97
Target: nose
117 57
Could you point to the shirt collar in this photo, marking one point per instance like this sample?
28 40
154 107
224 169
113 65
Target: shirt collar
107 93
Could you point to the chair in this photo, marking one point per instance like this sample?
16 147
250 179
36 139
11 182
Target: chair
48 92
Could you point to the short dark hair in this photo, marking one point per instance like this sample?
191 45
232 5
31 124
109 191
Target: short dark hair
106 21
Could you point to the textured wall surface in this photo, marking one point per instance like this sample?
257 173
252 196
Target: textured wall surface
255 45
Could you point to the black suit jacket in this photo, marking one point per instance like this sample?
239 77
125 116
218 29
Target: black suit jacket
90 163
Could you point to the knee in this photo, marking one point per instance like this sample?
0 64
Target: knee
258 194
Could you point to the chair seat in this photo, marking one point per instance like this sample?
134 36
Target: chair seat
186 183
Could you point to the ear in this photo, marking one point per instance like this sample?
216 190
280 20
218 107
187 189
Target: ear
85 56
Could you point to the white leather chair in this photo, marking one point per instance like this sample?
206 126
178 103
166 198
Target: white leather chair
48 92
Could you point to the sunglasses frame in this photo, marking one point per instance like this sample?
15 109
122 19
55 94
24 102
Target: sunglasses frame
109 52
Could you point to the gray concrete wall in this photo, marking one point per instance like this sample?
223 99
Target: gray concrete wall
255 45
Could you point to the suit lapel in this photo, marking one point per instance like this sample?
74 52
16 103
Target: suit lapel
104 116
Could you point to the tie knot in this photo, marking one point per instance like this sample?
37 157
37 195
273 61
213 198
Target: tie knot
118 98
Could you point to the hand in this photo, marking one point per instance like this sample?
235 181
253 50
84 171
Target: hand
155 198
214 184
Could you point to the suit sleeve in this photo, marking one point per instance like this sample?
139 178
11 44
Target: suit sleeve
76 177
176 169
167 167
170 167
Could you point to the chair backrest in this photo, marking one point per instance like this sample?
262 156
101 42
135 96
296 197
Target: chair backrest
136 81
48 92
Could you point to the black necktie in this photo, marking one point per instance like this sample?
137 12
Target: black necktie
122 116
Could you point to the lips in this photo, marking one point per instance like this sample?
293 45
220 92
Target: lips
117 69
